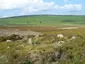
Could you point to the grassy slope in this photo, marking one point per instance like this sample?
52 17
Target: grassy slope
43 20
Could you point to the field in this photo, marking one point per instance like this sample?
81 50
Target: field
43 20
42 40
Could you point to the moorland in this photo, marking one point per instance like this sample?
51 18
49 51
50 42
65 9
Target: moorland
42 39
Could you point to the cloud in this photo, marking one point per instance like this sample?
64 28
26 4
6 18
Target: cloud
38 6
69 7
26 6
34 6
12 4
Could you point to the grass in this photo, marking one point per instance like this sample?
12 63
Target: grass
43 20
71 52
46 50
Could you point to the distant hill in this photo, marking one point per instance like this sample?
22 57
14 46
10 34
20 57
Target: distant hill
43 20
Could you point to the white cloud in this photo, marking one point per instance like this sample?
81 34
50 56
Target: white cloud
12 4
38 6
69 7
31 6
26 6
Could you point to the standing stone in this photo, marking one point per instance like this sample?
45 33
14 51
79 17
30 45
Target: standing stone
30 41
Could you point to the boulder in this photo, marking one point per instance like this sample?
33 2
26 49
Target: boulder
60 35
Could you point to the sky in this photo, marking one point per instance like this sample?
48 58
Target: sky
10 8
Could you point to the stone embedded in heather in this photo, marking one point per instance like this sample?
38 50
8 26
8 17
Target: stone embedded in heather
8 41
8 47
73 37
60 36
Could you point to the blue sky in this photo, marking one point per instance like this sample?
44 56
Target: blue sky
32 7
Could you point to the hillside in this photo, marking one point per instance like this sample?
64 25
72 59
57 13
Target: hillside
43 20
